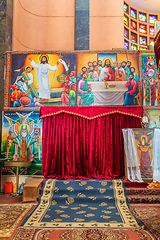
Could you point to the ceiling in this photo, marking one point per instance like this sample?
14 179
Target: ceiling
146 5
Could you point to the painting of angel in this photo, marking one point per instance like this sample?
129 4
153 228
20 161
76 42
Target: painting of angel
144 143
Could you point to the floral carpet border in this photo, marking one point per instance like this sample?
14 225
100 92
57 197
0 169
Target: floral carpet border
129 221
9 220
81 234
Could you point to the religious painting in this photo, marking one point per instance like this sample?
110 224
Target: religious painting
156 27
127 63
22 138
47 79
144 144
151 87
107 78
87 73
154 118
83 78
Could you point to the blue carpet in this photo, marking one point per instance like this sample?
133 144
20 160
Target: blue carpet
82 203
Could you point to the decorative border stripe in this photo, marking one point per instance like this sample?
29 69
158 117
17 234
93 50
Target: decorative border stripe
90 118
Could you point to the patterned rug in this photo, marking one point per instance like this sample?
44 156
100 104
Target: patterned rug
82 204
149 215
143 195
10 217
81 234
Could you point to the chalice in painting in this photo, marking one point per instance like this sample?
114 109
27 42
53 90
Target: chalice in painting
106 84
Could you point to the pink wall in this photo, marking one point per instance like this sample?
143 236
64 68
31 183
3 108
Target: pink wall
106 24
45 25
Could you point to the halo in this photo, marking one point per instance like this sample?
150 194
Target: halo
146 138
107 58
43 55
29 67
23 125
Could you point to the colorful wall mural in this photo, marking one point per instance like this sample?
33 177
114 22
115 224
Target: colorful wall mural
43 79
22 138
153 115
151 87
105 78
72 79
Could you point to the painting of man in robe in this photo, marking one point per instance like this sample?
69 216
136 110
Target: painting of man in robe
107 79
22 138
151 88
39 79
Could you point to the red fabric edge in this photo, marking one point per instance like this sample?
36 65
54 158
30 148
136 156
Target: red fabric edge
92 112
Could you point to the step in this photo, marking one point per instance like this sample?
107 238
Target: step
142 191
144 199
129 184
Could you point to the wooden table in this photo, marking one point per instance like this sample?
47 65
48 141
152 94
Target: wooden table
17 164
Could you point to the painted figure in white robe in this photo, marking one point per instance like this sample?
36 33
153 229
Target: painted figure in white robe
42 76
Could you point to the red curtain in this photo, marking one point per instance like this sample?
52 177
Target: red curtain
157 48
85 142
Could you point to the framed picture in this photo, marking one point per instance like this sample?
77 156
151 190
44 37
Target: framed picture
157 27
144 144
85 78
22 139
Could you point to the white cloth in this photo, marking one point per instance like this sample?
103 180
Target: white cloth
95 76
132 159
64 64
30 78
156 155
43 80
103 74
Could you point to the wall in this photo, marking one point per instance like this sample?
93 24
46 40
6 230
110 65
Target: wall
8 27
106 24
43 26
51 26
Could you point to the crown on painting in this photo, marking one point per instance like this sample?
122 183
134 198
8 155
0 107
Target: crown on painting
150 57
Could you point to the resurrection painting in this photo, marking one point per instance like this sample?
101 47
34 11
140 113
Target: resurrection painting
43 79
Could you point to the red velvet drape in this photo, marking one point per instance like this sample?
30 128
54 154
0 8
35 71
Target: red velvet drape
157 48
89 145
